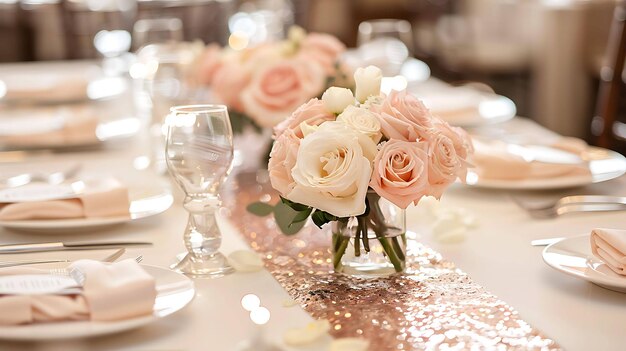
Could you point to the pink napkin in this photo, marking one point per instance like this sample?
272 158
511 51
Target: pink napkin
46 88
60 126
111 292
494 161
100 198
609 245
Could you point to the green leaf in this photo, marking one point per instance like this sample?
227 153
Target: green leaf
294 205
320 218
260 209
289 220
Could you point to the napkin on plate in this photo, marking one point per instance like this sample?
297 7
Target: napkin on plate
45 87
65 126
99 198
609 245
494 160
111 292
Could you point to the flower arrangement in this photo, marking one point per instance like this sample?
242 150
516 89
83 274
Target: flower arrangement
333 160
265 83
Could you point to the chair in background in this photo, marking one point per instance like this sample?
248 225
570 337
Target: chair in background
607 130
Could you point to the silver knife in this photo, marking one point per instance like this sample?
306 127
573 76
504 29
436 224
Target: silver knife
545 242
61 246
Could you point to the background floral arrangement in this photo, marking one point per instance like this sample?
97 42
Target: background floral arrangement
266 83
329 153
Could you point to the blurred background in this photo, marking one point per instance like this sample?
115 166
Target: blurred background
545 55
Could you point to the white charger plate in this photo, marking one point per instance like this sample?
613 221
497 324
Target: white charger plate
144 203
603 164
174 291
573 256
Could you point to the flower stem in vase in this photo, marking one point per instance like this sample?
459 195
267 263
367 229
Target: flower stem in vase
341 245
357 239
378 224
364 231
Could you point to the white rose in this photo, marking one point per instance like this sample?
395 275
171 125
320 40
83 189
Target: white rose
367 82
363 121
337 99
332 170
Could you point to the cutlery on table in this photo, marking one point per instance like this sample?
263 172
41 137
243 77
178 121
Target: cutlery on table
50 178
111 258
576 203
545 242
61 246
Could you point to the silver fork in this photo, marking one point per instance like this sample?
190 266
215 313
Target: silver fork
576 203
50 178
79 276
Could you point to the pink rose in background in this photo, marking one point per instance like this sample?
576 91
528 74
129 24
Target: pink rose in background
313 113
404 117
282 160
210 62
278 89
228 82
323 49
461 142
401 172
444 164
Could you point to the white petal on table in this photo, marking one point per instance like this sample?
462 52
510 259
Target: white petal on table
349 344
302 336
245 261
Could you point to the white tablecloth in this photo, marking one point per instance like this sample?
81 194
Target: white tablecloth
498 255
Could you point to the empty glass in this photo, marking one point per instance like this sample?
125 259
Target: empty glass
157 31
199 154
386 43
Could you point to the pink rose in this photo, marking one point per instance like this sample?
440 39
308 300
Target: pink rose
401 172
210 62
461 142
282 160
404 117
228 82
323 49
444 164
278 89
313 113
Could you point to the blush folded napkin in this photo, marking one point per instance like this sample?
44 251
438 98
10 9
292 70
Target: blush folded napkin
51 87
111 292
65 126
100 198
609 245
494 161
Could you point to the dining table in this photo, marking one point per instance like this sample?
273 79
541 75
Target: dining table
495 253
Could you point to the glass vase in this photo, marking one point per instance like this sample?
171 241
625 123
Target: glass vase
373 244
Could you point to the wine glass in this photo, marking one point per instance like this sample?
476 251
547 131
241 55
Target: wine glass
199 155
157 31
386 43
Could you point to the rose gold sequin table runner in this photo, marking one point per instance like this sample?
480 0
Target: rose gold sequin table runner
433 305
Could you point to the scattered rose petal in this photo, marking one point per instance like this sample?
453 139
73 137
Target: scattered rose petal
245 261
349 344
290 303
308 334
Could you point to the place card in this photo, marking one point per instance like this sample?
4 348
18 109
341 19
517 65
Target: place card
36 284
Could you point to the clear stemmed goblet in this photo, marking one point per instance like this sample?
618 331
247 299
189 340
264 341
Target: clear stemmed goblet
199 155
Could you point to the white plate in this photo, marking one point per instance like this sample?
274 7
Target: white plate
573 256
144 203
174 291
603 164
